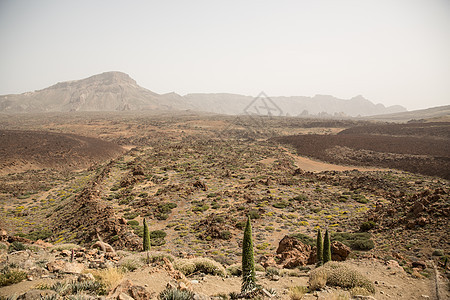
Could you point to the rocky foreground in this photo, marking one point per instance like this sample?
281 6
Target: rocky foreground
39 270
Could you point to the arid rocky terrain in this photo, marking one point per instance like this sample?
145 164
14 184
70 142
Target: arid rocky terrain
381 190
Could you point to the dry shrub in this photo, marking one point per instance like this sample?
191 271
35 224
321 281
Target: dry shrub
235 269
317 279
359 291
297 292
338 274
109 277
199 264
138 260
61 247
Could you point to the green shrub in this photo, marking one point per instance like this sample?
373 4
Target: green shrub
300 197
240 224
157 234
356 241
200 208
11 276
16 246
366 226
225 235
66 288
133 223
130 215
254 214
37 235
161 216
281 204
360 198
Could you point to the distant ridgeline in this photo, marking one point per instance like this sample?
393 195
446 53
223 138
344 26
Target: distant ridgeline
116 91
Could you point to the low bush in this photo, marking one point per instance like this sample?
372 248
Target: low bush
66 288
133 223
366 226
338 274
356 241
11 276
136 261
62 247
175 294
37 235
304 239
16 246
281 204
204 265
254 214
130 215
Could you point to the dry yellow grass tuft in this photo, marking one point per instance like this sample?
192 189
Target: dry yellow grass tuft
297 292
110 277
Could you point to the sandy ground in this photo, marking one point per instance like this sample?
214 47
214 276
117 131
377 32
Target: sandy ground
311 165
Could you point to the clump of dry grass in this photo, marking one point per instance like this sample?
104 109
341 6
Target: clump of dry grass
297 292
109 277
199 264
338 274
318 279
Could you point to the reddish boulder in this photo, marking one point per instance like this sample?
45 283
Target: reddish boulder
339 251
293 253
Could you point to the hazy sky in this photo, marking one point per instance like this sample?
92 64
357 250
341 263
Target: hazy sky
389 51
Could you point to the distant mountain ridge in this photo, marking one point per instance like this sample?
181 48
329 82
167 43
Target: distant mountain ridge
117 91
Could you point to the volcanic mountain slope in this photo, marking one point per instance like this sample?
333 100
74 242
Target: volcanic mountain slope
110 91
23 150
116 91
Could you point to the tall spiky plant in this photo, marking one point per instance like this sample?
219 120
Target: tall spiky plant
248 261
326 248
319 243
146 241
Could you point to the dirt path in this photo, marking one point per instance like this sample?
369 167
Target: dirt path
310 165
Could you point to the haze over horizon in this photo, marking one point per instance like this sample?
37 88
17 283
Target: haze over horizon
390 52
